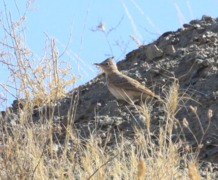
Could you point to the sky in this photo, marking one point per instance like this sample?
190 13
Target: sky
89 31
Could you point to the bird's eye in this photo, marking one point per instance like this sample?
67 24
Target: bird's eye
107 63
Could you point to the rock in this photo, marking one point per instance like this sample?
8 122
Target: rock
207 18
152 52
169 50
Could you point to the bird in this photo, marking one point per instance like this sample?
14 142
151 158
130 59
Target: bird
123 87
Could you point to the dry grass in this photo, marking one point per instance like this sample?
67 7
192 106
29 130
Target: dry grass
31 151
193 171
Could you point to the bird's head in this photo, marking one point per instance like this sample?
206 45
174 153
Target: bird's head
108 65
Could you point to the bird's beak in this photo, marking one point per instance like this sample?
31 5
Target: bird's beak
97 64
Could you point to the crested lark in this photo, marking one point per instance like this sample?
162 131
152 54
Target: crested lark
121 86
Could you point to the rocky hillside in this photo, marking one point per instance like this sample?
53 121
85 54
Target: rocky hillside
188 57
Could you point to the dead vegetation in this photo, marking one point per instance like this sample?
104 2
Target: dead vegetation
32 151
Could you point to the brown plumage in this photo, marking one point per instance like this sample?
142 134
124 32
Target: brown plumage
124 87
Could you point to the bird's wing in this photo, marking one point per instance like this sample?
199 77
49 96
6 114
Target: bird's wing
127 83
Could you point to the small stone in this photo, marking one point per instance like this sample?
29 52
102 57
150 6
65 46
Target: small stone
3 114
207 18
170 49
186 25
203 174
174 40
197 26
98 104
194 22
152 51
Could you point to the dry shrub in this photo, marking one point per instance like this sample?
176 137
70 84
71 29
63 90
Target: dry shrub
39 80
